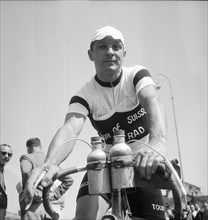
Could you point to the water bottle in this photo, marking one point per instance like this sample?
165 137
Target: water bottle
122 170
98 171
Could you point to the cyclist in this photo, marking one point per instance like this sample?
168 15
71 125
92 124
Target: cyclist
115 98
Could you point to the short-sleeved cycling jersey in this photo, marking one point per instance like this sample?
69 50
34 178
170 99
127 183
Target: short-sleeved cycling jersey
113 106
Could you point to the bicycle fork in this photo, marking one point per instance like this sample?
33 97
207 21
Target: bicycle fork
120 206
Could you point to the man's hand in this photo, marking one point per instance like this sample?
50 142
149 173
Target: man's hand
38 175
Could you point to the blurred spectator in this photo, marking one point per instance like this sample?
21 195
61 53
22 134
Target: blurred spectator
56 196
170 215
28 162
193 211
187 214
199 213
5 156
205 211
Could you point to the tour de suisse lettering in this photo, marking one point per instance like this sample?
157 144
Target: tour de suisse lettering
133 122
130 135
136 116
135 133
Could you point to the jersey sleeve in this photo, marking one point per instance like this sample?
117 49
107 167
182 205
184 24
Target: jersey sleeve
26 168
81 101
25 164
142 78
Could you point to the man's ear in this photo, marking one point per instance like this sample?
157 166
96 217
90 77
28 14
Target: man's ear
124 53
90 55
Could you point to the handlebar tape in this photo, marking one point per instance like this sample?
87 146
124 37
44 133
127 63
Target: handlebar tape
46 201
159 181
47 204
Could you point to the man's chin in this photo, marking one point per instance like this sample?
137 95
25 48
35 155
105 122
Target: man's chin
4 162
112 69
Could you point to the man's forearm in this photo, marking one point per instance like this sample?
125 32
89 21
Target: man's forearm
59 150
157 123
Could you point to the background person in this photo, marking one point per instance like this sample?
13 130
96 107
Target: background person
5 156
188 213
193 210
115 98
199 213
205 211
56 196
28 162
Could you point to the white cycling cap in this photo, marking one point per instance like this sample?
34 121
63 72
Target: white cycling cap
107 31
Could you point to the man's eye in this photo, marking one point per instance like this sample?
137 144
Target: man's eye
102 46
117 47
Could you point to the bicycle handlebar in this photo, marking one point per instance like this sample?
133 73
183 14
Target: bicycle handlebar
46 200
158 181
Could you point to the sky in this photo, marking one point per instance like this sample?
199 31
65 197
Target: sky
44 62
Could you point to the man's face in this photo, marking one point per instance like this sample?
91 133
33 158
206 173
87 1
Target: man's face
192 208
108 55
5 155
196 207
29 150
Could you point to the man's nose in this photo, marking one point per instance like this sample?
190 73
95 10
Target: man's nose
110 51
6 156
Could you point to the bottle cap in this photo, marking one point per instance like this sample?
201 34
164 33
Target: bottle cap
119 132
97 139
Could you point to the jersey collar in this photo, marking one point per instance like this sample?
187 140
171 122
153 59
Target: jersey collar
109 84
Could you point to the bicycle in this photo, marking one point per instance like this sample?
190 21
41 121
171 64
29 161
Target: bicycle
102 170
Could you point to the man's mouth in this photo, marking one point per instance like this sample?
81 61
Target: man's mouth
110 61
